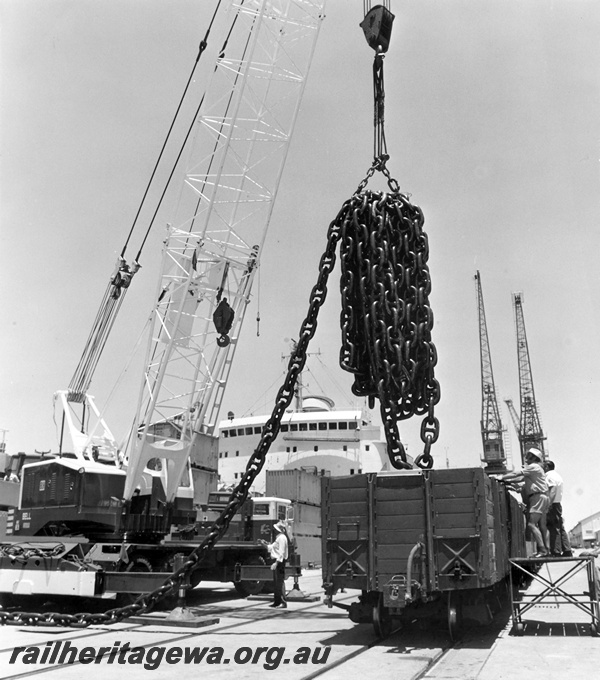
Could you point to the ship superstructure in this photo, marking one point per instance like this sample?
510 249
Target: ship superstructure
315 436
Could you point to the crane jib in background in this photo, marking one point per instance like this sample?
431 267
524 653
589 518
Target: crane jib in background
492 430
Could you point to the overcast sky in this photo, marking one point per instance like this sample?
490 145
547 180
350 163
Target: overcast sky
493 127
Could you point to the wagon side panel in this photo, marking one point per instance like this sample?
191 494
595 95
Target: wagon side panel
399 533
465 529
346 512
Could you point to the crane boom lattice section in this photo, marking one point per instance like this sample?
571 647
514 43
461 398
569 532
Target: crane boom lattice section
530 427
492 431
514 415
214 244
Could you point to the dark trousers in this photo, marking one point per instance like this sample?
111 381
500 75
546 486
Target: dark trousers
279 583
559 539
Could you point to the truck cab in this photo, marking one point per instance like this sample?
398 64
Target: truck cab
266 511
254 520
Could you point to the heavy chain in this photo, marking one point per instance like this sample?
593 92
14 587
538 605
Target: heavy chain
386 318
239 494
386 326
23 552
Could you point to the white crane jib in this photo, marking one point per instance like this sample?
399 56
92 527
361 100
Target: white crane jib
213 246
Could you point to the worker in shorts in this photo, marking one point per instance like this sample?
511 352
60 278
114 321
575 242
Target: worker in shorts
560 546
535 492
279 550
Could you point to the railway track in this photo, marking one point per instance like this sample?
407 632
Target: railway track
243 624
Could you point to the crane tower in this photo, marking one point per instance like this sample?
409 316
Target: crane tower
215 242
530 427
237 149
491 425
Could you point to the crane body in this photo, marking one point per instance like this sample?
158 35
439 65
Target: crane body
132 507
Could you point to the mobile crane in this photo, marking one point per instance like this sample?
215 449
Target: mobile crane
92 518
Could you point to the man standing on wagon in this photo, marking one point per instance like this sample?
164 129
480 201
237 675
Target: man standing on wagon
560 546
536 494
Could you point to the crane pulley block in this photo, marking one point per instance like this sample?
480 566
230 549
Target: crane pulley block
377 27
223 320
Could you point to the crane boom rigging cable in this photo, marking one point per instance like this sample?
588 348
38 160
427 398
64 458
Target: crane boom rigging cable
203 45
194 261
121 278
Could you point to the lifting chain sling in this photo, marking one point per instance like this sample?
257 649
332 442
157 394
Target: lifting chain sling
386 324
386 318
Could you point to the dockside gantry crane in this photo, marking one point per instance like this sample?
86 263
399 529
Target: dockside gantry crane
530 427
492 430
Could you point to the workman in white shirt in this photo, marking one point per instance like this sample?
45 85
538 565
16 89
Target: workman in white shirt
560 546
279 550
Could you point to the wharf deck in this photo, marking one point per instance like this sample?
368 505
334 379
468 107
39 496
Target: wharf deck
556 644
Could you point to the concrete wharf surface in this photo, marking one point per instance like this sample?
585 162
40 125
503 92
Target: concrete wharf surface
556 644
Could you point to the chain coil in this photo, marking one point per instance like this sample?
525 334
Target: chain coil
386 318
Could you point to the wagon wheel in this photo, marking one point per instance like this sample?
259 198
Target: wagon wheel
454 615
382 621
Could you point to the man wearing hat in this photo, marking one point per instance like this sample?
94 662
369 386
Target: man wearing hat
560 546
279 552
535 492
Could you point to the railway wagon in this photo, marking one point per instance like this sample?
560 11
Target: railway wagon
420 543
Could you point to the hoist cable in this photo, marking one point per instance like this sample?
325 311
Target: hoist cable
258 303
380 146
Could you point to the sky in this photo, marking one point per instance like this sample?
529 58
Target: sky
492 126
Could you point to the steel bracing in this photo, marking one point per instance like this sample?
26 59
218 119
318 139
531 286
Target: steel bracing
513 415
215 241
530 427
492 431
